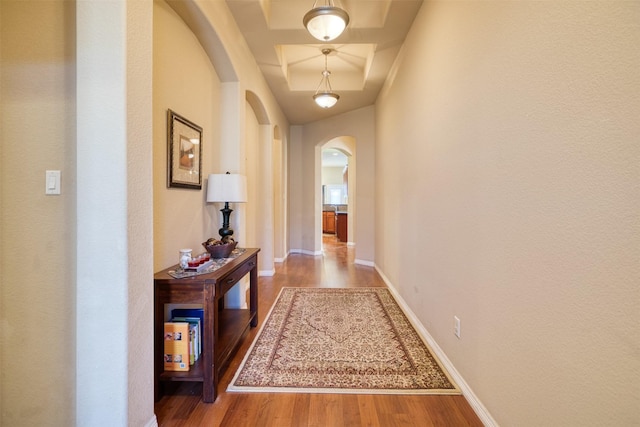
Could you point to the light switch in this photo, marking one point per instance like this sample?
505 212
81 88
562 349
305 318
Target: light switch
52 182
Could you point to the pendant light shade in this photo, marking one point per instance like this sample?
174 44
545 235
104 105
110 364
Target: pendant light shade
326 22
326 99
324 96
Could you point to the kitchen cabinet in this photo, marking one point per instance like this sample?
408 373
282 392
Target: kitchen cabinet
341 226
329 222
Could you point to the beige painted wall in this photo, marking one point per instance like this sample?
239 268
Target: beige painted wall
280 197
512 130
139 210
233 138
305 181
296 187
184 81
332 175
252 135
37 131
114 309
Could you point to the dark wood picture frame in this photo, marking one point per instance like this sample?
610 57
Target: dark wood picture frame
184 155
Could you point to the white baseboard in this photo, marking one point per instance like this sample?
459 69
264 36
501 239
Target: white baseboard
280 260
267 272
305 252
363 262
153 422
477 406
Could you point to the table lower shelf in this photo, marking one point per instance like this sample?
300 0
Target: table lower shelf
233 324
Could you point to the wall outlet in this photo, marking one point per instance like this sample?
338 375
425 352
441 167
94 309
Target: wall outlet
456 326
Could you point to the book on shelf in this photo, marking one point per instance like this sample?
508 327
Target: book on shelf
176 346
191 315
195 340
188 312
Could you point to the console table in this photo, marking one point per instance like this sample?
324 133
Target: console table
223 328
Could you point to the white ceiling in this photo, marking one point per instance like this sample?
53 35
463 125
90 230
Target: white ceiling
292 62
333 158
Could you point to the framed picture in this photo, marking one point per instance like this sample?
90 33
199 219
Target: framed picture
184 152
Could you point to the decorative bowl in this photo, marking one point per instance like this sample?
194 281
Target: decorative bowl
220 251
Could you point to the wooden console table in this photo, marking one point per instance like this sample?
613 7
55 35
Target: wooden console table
223 328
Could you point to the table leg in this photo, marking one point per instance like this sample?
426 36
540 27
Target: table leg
253 293
210 321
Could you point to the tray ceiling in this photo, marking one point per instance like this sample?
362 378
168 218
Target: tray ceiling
292 62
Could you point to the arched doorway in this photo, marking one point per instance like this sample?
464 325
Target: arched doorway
338 189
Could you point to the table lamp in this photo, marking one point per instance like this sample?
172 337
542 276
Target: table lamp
226 188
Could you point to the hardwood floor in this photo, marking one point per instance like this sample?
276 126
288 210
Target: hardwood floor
184 407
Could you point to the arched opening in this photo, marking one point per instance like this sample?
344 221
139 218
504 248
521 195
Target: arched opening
268 177
337 190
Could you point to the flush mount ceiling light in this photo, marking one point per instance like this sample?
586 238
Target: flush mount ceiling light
324 96
325 22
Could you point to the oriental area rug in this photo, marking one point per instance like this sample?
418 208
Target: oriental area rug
355 340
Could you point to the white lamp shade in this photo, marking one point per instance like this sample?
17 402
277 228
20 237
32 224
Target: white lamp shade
326 22
326 99
230 188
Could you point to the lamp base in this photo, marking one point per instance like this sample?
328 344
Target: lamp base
226 213
224 232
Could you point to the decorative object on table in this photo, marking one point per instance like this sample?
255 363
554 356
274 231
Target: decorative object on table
340 340
220 248
185 257
212 265
184 152
200 262
326 22
226 188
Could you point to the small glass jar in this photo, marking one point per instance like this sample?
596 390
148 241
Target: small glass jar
185 257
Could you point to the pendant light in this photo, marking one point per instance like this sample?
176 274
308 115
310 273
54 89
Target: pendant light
326 22
324 96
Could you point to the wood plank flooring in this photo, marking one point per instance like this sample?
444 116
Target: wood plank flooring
182 406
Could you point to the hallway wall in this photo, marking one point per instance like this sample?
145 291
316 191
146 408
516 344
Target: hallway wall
37 232
184 81
507 195
205 69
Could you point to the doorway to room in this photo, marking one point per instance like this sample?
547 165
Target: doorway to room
335 195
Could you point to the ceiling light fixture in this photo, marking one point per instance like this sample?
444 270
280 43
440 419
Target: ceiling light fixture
324 96
326 22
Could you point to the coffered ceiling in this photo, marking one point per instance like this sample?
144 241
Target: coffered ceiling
292 60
